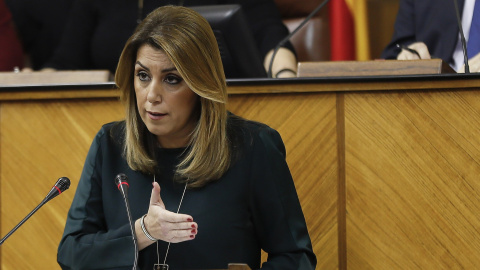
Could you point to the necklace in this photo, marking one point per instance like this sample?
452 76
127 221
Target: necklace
140 9
164 265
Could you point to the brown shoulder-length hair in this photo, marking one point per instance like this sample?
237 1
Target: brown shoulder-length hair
188 40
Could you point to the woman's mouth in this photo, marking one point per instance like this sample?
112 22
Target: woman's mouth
156 115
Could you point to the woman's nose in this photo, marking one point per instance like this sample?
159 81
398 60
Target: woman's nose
154 93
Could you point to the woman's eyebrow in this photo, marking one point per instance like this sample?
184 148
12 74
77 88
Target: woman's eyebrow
163 70
140 64
169 69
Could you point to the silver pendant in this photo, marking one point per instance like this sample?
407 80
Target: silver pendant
160 266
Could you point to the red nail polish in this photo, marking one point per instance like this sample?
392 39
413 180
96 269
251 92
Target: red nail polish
193 226
192 236
189 219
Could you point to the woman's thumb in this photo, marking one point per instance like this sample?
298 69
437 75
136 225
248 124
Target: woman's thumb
155 198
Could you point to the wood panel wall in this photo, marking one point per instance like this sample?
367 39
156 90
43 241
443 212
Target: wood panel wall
381 20
43 140
307 124
412 170
386 170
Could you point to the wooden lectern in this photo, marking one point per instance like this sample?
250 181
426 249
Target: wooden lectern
386 168
238 266
235 266
373 68
52 78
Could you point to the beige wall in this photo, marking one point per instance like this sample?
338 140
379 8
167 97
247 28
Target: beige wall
381 15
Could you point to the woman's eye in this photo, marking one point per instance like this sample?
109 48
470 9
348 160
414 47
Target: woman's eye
143 76
172 79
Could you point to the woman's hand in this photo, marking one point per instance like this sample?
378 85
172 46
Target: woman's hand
163 224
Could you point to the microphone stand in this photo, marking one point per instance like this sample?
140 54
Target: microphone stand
23 221
63 183
132 228
283 41
120 180
462 38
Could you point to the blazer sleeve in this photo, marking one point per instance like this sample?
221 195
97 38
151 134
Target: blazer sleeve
277 213
86 242
266 23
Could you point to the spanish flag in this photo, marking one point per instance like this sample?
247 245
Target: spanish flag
349 30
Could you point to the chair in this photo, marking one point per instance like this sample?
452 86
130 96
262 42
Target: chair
312 42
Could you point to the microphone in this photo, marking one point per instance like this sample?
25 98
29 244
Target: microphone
121 180
462 37
122 184
62 184
287 38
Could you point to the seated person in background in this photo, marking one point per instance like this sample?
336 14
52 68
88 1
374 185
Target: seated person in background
11 55
97 29
222 190
430 28
40 25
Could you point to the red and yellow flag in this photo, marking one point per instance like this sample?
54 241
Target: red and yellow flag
349 30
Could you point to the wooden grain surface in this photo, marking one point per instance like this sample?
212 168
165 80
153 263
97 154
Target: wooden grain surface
44 140
412 168
387 179
57 77
40 142
307 124
372 68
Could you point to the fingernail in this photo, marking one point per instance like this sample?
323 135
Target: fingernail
189 219
192 236
194 231
193 226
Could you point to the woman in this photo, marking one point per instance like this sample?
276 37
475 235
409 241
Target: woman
226 177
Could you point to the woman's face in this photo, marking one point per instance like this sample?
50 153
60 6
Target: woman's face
165 102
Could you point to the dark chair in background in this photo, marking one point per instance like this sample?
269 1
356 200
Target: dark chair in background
312 42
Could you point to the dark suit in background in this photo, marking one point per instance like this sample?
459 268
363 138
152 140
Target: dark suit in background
432 22
97 30
40 25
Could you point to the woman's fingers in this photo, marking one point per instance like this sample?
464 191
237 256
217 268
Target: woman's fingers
165 226
176 236
167 216
173 231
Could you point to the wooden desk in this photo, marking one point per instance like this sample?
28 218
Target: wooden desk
386 168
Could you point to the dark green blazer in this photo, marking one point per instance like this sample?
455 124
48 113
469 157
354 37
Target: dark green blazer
253 206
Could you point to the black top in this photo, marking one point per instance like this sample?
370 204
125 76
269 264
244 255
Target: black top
40 24
98 30
253 206
432 22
